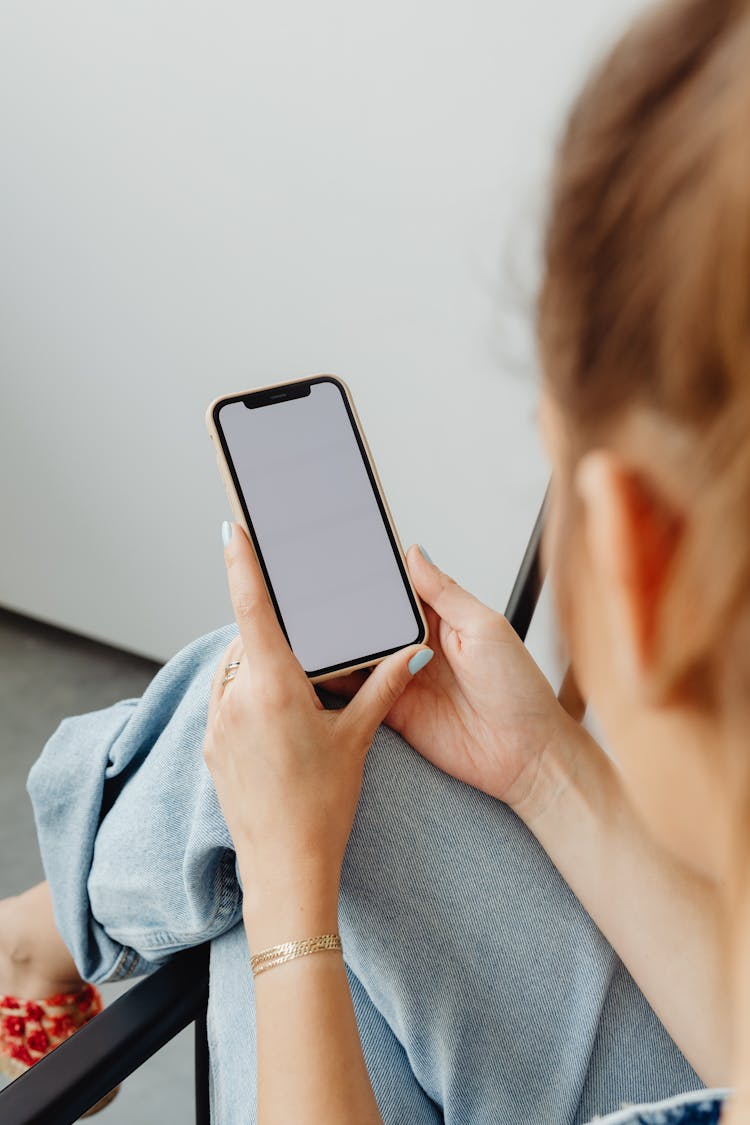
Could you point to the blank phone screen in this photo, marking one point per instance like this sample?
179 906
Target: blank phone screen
323 540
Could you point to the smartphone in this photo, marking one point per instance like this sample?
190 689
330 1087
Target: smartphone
302 482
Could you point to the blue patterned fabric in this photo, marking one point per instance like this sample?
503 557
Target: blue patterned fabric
697 1108
704 1113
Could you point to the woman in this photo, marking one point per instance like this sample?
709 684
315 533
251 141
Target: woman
644 330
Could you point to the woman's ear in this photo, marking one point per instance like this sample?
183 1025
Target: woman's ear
632 536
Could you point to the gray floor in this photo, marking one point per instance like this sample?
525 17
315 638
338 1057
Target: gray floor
46 674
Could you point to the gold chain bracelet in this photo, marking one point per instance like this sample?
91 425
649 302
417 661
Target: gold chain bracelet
288 950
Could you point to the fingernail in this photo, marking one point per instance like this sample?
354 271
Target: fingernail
226 532
424 656
425 553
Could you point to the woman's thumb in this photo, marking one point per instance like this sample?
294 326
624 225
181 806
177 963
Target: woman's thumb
383 687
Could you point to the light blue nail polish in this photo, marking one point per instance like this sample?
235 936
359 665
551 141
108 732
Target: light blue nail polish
425 553
226 532
424 656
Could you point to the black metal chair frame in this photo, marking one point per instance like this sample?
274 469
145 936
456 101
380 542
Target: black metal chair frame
64 1084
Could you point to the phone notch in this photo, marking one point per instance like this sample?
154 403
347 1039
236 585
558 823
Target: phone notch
276 394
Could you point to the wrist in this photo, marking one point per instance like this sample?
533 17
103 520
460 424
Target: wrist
568 754
280 905
287 921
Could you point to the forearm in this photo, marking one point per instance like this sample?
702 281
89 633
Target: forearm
662 919
311 1068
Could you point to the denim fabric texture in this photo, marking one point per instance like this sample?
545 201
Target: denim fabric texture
483 991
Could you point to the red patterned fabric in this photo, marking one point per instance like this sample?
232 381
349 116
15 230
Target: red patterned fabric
30 1029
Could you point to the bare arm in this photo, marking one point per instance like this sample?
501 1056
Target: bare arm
661 918
310 1064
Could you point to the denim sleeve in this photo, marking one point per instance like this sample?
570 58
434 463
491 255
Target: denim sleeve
94 758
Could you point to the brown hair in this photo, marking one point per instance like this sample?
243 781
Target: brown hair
646 297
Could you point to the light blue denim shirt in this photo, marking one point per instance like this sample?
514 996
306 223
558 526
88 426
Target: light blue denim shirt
483 991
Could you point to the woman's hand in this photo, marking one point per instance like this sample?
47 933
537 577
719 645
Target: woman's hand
287 772
482 711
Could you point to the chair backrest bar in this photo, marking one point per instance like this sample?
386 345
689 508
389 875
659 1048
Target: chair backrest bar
528 584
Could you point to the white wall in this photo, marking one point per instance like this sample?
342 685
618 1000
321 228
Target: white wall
199 198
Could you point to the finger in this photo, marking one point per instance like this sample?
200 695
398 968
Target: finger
433 624
456 606
383 687
262 636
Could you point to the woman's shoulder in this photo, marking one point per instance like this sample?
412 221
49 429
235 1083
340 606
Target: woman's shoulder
702 1107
